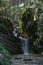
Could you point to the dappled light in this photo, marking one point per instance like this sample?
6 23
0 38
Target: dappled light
21 32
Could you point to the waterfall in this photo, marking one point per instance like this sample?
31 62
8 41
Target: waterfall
25 46
25 43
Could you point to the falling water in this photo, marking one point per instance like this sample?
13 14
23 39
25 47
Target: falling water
25 42
25 46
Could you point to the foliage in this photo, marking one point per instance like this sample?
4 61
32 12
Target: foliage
41 0
4 51
6 36
28 24
31 26
26 19
4 55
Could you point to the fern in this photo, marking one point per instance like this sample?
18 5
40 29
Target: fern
13 44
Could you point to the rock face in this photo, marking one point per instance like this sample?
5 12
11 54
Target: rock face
13 44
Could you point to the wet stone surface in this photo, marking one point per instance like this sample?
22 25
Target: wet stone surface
28 60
